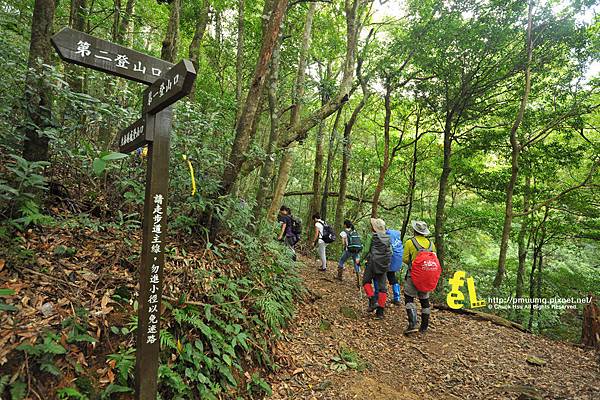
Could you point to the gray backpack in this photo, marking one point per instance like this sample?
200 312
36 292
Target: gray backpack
380 255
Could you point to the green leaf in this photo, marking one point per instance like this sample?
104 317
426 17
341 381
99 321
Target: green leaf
99 165
113 388
51 347
114 156
17 390
68 393
7 292
7 307
51 368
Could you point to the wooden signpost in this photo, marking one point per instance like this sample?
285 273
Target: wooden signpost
168 83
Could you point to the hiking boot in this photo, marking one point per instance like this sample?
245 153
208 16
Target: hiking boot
397 302
424 323
411 313
340 274
379 313
372 306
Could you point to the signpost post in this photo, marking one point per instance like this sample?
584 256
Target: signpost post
168 83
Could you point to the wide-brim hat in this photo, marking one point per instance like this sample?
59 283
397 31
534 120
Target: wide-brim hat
420 227
378 225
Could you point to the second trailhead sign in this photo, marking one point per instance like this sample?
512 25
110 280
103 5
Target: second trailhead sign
168 83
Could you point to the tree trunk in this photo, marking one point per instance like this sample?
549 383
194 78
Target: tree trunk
299 131
282 179
266 172
515 152
116 20
77 19
287 160
413 179
239 59
590 329
522 233
38 92
317 177
532 283
339 208
194 49
169 44
250 107
78 14
441 201
386 149
123 35
329 167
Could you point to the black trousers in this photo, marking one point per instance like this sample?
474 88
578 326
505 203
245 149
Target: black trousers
380 279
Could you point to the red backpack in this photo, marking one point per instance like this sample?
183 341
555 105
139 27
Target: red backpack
425 271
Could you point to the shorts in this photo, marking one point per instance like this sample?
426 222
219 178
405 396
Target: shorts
411 290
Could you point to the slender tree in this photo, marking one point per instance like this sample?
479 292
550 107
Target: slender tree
38 101
170 42
515 152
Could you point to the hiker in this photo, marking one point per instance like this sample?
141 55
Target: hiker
377 254
395 265
423 271
352 248
324 235
287 234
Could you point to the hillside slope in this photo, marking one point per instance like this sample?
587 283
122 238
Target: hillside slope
460 358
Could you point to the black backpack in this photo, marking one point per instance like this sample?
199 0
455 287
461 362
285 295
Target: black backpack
354 242
381 253
296 225
328 233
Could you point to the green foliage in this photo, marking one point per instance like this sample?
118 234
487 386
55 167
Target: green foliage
346 359
70 393
99 164
43 353
77 327
124 364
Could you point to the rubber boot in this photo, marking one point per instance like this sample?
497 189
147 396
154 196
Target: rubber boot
424 322
396 292
340 273
372 305
379 312
411 313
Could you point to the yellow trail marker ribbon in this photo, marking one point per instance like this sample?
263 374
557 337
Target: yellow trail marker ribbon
189 163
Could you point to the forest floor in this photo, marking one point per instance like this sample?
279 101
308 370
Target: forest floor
335 350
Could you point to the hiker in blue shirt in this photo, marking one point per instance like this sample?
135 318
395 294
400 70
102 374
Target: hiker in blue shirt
395 265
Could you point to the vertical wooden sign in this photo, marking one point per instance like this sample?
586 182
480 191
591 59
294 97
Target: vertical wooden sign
153 257
169 83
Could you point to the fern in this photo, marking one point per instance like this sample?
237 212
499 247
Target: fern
167 340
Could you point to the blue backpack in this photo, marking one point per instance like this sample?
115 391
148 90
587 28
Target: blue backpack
397 250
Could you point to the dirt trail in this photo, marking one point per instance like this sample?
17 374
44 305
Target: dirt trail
460 358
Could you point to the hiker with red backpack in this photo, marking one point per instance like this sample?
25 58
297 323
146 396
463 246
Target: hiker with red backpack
377 254
324 234
352 247
421 276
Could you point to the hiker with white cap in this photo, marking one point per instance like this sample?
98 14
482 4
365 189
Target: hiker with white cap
421 276
377 254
